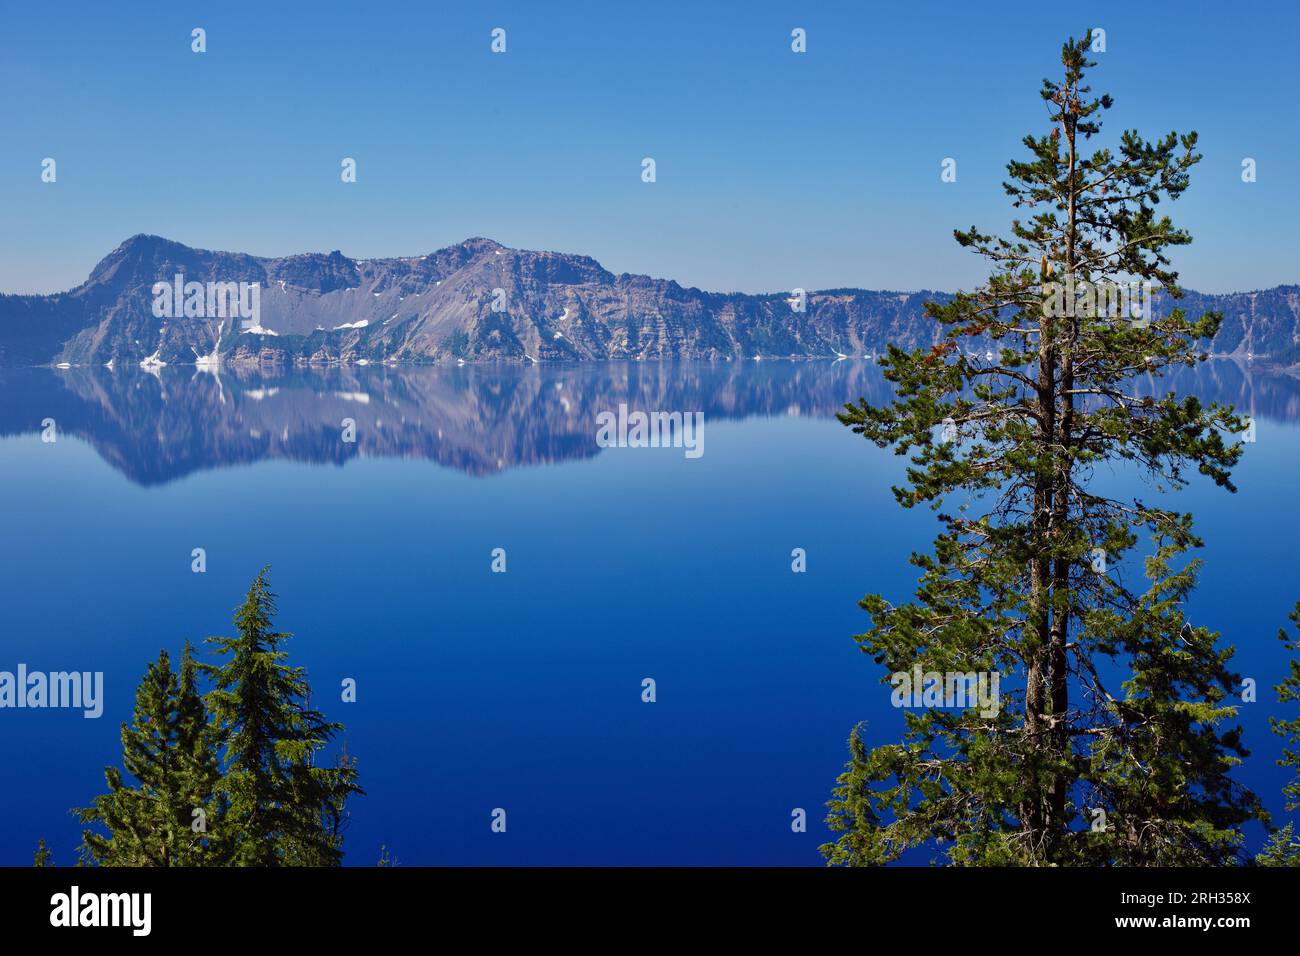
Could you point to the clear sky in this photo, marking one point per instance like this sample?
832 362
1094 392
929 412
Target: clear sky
774 169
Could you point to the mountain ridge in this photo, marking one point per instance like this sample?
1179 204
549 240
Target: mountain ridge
479 300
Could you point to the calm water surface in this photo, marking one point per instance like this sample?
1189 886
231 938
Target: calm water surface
523 690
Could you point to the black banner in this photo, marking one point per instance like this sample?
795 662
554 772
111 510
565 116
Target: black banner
945 906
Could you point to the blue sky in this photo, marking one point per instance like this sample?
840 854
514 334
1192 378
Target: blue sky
775 170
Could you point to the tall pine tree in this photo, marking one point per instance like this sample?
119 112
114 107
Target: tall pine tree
1114 742
286 810
173 816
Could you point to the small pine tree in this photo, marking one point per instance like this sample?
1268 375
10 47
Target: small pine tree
173 816
43 855
287 811
1283 848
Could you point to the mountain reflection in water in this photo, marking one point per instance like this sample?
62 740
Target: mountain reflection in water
479 419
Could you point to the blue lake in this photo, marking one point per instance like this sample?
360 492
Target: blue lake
522 690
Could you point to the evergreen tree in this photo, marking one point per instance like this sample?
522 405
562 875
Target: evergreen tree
1037 381
43 856
1284 847
173 816
287 810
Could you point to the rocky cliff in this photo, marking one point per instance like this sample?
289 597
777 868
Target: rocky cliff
479 300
